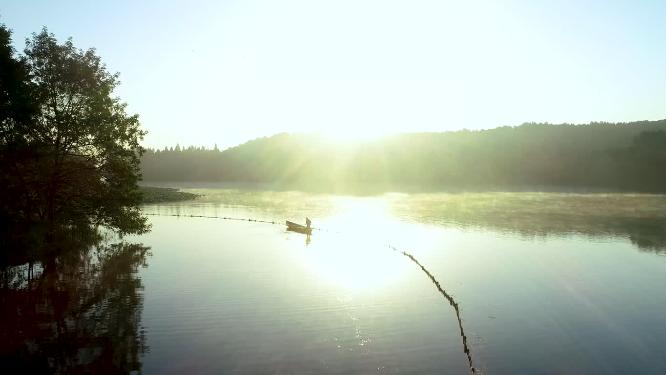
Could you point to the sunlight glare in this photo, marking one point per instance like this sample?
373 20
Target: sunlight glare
355 253
355 136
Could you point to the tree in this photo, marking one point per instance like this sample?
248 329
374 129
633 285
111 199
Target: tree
17 111
76 159
16 106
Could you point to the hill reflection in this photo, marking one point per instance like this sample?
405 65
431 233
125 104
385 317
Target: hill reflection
639 218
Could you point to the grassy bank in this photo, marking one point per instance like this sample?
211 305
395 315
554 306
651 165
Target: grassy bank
158 194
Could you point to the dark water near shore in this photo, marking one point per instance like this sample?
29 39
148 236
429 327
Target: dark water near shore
545 283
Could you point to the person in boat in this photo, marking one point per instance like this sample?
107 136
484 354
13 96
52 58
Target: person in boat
307 222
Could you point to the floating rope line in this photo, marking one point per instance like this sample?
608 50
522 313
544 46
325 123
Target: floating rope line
447 296
230 218
452 302
216 217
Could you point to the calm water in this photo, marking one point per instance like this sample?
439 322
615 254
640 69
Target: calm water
545 283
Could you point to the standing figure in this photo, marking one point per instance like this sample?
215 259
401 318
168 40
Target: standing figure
307 222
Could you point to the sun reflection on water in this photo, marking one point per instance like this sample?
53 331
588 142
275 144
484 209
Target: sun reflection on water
353 251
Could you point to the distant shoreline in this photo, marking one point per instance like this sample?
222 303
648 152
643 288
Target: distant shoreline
152 194
622 157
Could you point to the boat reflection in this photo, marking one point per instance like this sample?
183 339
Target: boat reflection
302 229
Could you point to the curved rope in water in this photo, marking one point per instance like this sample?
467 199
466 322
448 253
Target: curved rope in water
447 296
452 302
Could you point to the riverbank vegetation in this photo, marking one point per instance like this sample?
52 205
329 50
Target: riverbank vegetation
151 194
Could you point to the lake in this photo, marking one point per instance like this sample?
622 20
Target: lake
504 283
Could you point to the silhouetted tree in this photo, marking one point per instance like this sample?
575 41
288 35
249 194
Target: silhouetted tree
643 163
17 108
76 160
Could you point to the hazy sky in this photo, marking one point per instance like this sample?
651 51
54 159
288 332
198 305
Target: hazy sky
205 72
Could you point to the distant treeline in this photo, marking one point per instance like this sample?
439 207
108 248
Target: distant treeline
599 156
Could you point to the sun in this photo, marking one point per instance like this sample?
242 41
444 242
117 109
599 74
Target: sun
355 136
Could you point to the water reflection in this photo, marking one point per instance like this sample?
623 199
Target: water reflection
452 302
350 252
345 302
72 305
356 264
639 218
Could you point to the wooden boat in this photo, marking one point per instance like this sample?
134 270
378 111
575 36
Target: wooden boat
298 228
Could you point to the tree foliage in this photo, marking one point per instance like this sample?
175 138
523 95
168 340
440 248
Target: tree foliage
72 155
16 106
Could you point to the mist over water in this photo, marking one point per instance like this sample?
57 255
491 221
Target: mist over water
428 283
541 292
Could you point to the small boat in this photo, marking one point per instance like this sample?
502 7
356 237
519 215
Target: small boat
298 228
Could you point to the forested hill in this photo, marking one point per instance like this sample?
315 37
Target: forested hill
624 156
